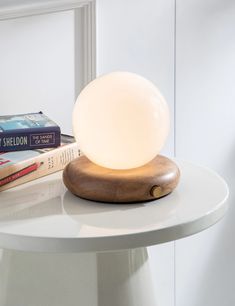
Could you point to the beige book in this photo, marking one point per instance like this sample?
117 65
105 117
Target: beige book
19 167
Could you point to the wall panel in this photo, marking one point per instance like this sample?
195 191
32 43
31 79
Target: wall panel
37 66
138 36
205 125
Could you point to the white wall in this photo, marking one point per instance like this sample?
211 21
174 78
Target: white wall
139 36
205 133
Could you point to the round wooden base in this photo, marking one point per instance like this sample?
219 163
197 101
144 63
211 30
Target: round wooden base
151 181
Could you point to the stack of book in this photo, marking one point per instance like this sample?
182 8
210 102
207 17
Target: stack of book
32 146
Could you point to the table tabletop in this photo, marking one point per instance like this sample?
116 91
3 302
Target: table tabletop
44 216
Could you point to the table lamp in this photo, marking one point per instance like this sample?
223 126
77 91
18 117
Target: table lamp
121 122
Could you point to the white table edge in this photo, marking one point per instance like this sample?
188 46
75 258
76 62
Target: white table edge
113 243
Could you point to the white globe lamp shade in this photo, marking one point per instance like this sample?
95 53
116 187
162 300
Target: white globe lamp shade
121 121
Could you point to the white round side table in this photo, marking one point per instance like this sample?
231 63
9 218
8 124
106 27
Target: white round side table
108 240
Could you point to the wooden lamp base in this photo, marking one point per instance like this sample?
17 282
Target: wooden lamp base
149 182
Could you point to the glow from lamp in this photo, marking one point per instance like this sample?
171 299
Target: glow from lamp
120 120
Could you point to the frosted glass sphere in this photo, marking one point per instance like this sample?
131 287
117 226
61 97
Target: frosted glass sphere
120 120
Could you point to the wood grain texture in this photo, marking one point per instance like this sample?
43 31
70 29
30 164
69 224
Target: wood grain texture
90 181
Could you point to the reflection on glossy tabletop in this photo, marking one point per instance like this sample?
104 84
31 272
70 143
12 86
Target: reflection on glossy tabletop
42 213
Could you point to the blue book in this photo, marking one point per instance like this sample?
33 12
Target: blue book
28 132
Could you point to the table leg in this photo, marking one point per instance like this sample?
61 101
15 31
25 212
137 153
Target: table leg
124 279
120 278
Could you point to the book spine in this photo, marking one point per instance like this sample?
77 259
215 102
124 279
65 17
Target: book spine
31 139
39 166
